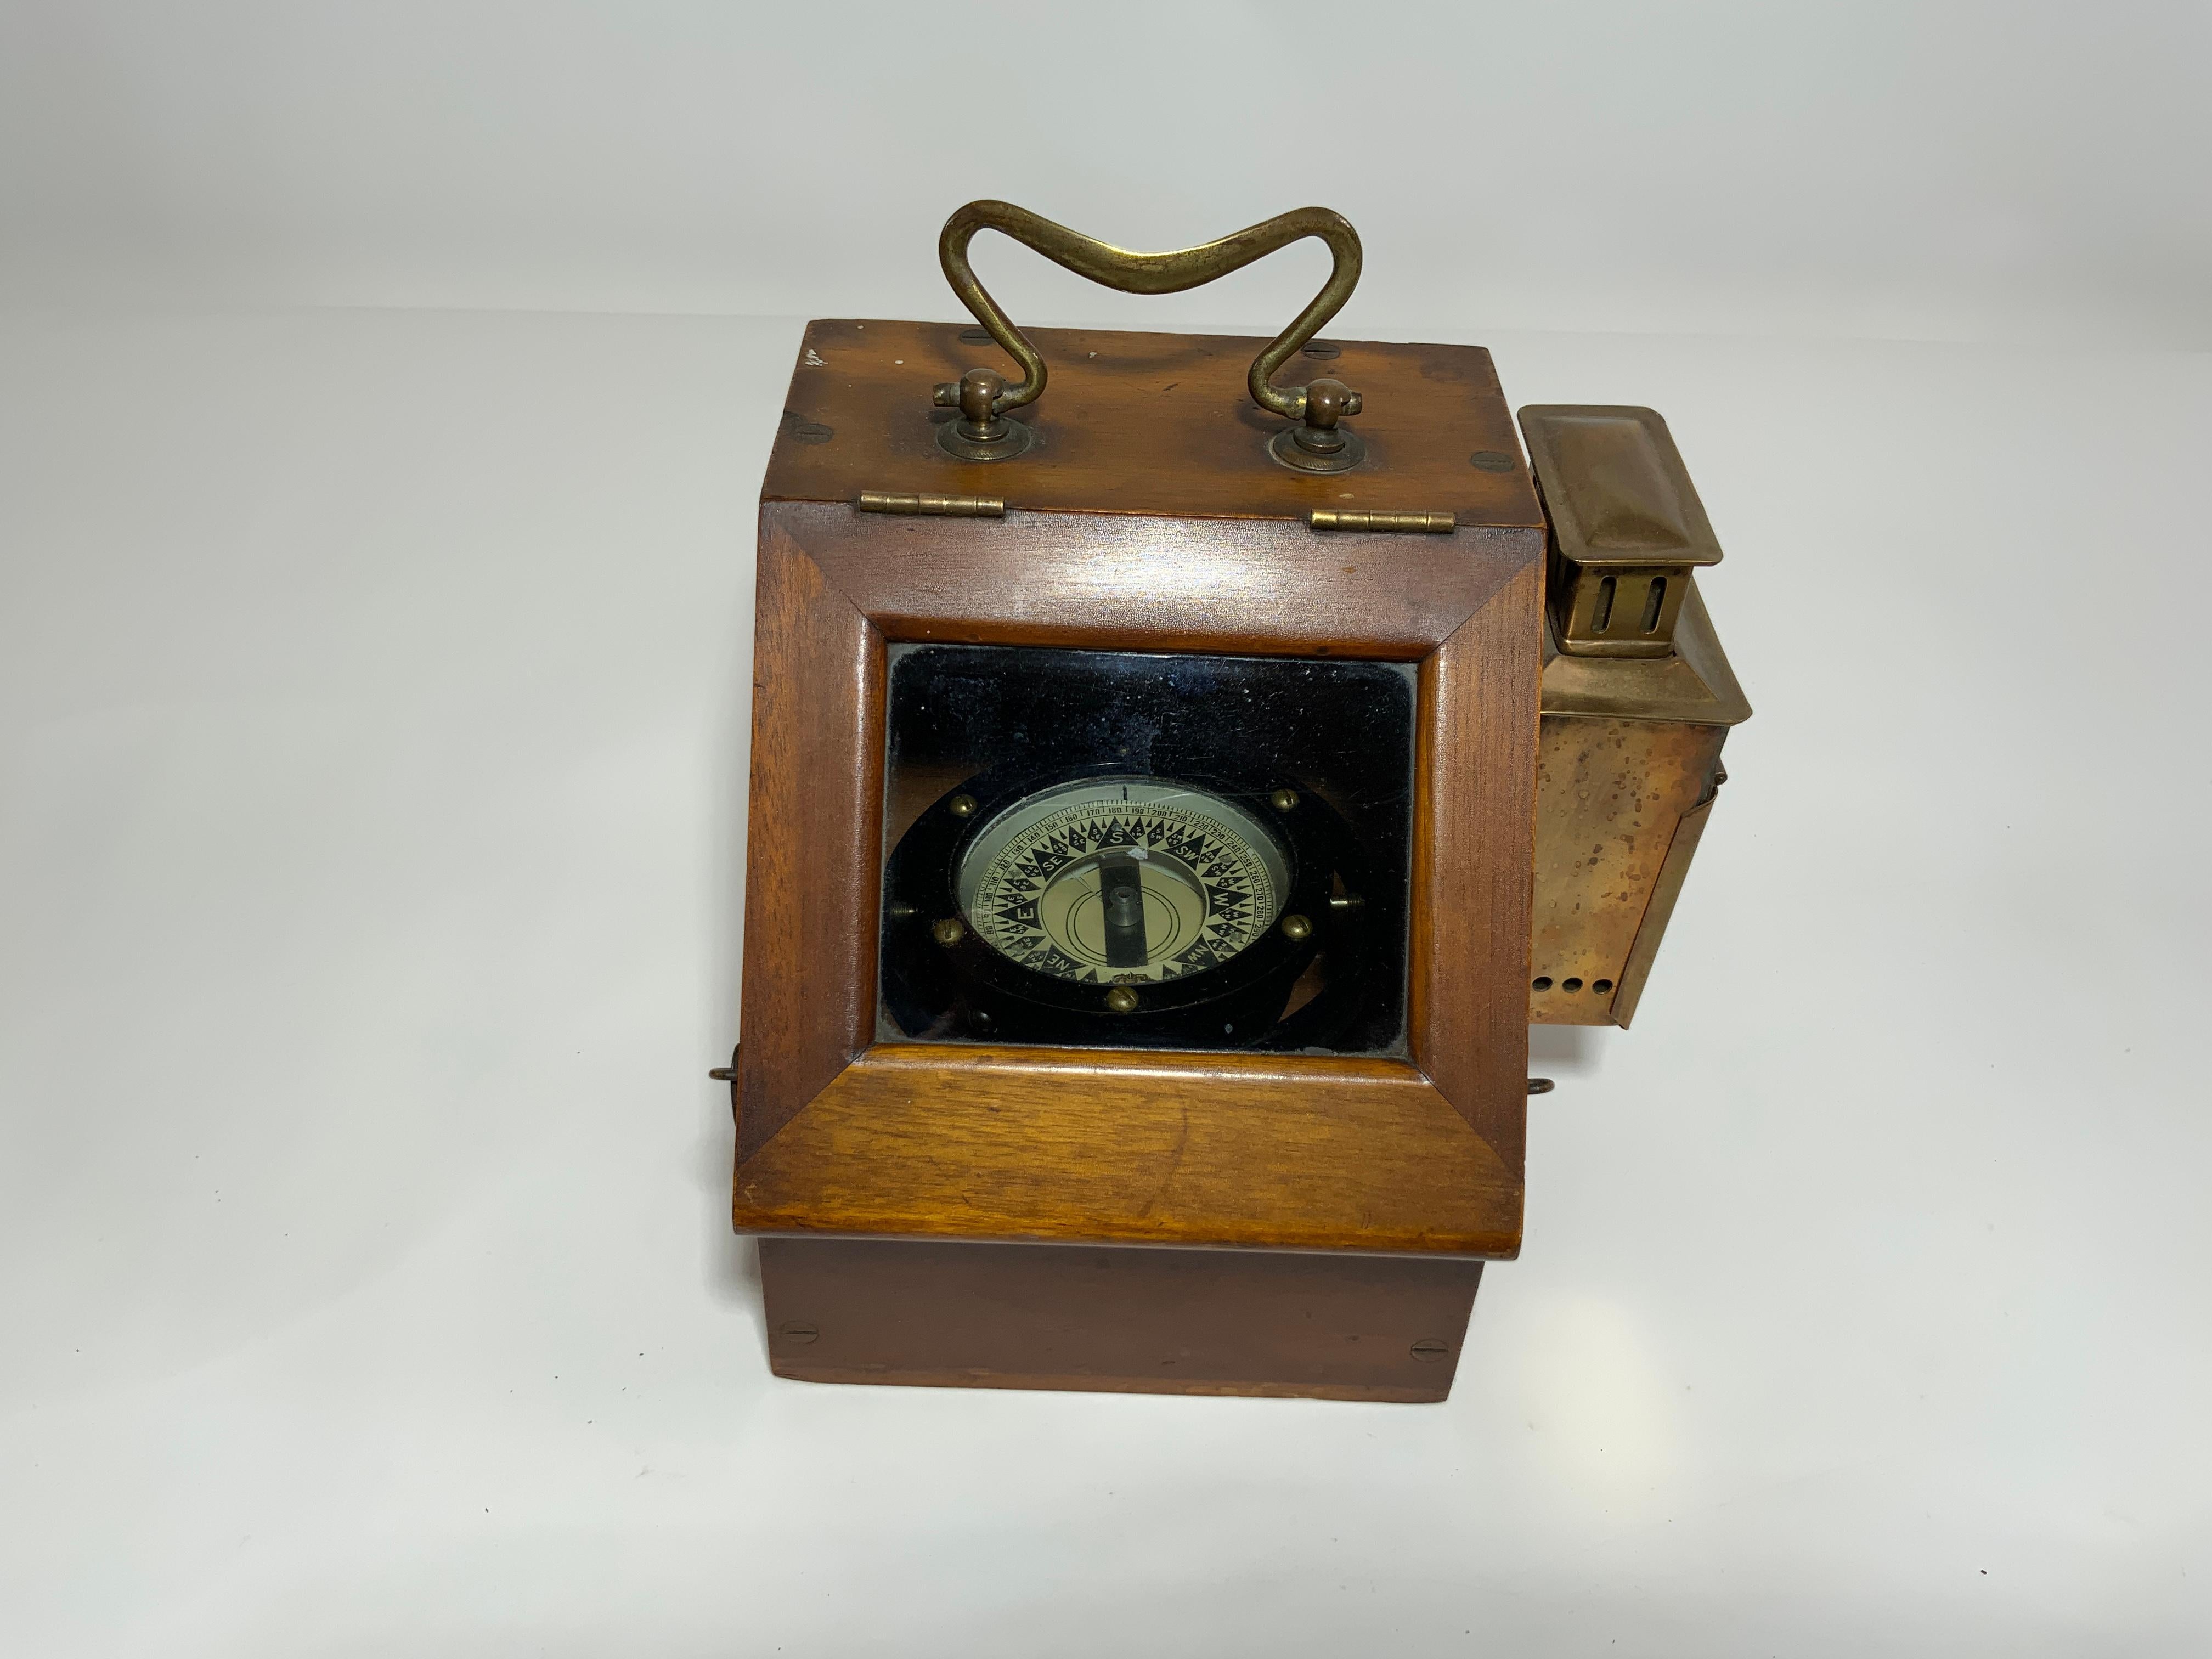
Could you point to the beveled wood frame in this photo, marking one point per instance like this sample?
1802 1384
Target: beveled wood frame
840 1133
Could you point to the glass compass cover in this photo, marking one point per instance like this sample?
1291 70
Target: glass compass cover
1140 849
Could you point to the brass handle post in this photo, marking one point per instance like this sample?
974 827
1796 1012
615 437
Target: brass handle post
981 432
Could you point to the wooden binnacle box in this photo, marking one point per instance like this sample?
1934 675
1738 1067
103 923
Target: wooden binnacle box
1145 848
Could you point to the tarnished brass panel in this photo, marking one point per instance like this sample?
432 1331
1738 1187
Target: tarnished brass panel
1615 487
1667 889
1627 527
1637 700
1611 795
1694 685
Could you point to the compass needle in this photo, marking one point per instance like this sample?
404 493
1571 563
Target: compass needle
1121 897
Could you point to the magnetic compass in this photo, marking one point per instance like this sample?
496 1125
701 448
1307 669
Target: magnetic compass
1119 908
1126 880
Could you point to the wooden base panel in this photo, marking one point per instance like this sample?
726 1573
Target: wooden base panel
1117 1319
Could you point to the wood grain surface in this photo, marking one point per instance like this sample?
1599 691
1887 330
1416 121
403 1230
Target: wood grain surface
1319 1152
1115 1320
1474 861
1149 549
1155 424
812 893
1157 584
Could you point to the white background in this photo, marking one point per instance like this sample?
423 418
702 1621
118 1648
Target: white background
384 393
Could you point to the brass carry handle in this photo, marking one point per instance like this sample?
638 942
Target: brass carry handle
983 397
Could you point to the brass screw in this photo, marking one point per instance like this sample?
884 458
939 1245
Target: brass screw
1431 1348
1297 928
947 932
961 806
1121 999
794 1330
1282 799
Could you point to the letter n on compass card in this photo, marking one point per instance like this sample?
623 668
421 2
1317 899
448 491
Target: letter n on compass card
1138 897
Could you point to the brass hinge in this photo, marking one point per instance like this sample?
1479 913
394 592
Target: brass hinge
950 506
1434 524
